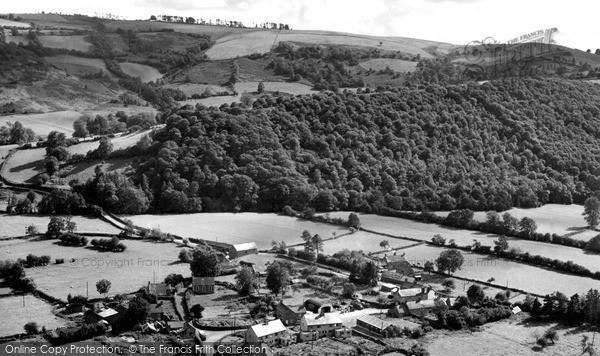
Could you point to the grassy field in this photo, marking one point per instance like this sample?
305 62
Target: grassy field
514 336
85 170
8 23
15 225
361 241
284 87
34 310
79 66
146 73
68 42
17 171
43 124
550 218
515 275
397 65
127 271
424 232
237 228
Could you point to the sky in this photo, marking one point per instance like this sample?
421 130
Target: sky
452 21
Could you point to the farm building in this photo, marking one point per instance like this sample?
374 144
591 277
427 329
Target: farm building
287 315
271 333
203 285
419 308
107 314
388 287
317 307
175 325
239 250
314 326
398 264
413 294
373 324
399 279
155 311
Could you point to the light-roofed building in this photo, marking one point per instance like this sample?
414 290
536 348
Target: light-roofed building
413 294
248 248
270 333
373 324
419 308
314 326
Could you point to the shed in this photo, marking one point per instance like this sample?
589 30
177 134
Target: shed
373 323
316 306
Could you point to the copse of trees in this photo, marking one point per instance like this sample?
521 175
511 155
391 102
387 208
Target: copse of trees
15 133
73 239
100 125
113 244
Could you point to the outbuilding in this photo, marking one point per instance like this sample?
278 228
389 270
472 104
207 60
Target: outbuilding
239 250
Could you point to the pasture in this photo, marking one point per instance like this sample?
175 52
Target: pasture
146 73
143 261
15 225
514 336
17 171
77 43
42 124
15 315
424 232
79 66
397 65
237 228
507 273
361 240
9 23
550 218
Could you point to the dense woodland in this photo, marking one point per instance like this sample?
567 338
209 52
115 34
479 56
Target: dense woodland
510 142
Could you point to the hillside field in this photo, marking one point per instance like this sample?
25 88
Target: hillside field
68 42
9 23
237 228
79 66
397 65
35 309
424 232
146 73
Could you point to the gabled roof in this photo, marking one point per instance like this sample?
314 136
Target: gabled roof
272 327
411 292
282 306
397 277
155 308
245 246
107 312
322 319
203 280
395 258
158 288
429 303
374 321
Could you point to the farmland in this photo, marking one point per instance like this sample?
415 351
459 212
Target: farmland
34 310
515 275
9 23
43 123
16 171
128 271
77 43
514 336
146 73
550 218
79 66
361 240
397 65
14 225
237 228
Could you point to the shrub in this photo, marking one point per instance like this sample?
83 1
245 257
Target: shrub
31 328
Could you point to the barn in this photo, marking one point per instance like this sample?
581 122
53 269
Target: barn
239 250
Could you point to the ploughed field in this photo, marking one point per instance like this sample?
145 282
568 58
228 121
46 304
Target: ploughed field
141 262
35 310
424 232
238 228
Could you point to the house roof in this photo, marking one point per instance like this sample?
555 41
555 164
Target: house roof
388 285
374 321
395 258
107 312
397 277
203 280
245 246
411 292
322 319
175 324
269 328
429 303
282 306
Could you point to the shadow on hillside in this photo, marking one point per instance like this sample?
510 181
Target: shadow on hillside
35 165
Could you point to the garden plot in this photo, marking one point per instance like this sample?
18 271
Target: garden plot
15 315
238 228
